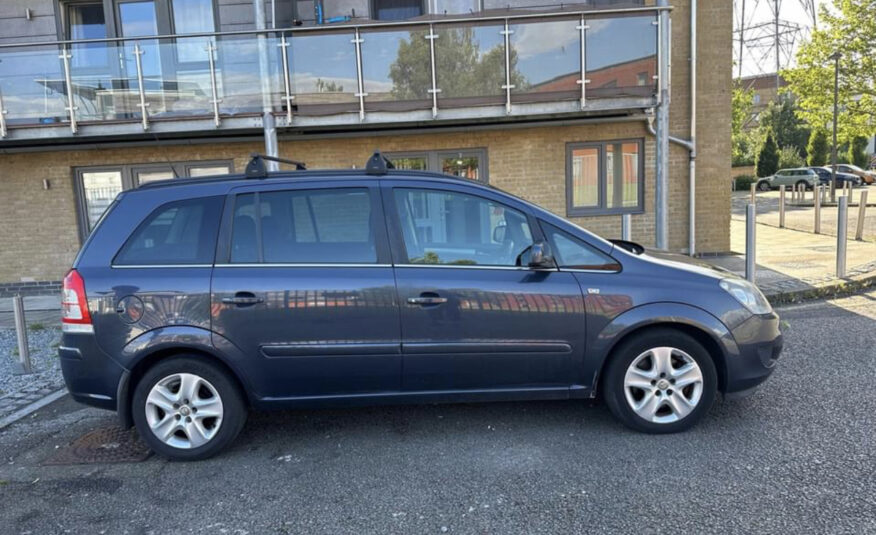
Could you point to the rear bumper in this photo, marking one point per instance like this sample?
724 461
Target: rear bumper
760 343
92 377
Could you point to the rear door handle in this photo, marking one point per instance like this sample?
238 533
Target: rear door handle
427 300
242 299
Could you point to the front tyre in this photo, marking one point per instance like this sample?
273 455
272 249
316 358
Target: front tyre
187 409
662 381
764 186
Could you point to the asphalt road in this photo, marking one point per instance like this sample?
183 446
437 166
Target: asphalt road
798 456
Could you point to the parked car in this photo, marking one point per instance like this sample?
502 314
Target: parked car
194 300
869 177
802 176
824 175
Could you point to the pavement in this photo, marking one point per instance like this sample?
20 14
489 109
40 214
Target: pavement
797 456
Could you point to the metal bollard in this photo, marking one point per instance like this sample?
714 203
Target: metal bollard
781 206
862 213
626 223
817 194
23 365
754 193
750 236
842 225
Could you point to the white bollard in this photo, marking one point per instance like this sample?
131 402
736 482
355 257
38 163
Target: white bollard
781 206
841 235
862 213
750 237
817 199
626 224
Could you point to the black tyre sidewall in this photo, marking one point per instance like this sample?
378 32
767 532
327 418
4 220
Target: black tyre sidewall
234 407
623 356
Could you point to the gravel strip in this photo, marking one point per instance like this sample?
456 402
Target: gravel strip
43 354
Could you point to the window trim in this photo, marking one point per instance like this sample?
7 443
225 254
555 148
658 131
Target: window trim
433 159
602 204
617 267
129 181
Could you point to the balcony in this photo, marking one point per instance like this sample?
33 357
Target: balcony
483 68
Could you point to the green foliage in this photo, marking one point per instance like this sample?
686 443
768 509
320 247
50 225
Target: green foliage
857 153
743 142
745 146
817 150
849 28
36 327
475 73
768 157
789 157
780 117
743 182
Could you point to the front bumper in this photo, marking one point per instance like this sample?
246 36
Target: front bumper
92 377
759 341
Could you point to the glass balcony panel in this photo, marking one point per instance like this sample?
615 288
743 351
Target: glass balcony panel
621 57
323 73
396 70
240 78
104 82
470 65
32 85
546 61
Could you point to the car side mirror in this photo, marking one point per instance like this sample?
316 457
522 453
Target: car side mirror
538 255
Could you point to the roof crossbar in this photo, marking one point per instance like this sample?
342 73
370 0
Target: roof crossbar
256 167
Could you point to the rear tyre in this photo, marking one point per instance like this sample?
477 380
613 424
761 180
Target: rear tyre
187 408
764 186
661 381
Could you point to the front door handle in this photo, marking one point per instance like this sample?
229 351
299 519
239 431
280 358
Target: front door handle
242 299
425 300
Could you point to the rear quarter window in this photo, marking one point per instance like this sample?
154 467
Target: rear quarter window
180 232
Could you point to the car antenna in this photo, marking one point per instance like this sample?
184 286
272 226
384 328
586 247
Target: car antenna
378 164
256 167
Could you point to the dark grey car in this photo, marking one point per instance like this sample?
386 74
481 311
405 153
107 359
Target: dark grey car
195 300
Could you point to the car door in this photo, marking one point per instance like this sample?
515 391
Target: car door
784 178
471 318
305 289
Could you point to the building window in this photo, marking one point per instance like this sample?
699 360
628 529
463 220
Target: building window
97 186
464 163
86 20
604 177
396 9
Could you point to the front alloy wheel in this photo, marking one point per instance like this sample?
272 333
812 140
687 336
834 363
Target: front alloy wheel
660 381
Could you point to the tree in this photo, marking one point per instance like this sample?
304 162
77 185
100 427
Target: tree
790 158
474 73
849 28
742 142
817 150
857 152
768 158
788 129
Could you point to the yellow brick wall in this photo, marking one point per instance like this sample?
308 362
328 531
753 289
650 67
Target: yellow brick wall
38 228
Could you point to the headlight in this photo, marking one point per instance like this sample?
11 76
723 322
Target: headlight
748 295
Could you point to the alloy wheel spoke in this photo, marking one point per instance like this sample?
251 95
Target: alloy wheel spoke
208 408
687 375
162 398
198 436
188 386
680 405
662 357
648 405
165 428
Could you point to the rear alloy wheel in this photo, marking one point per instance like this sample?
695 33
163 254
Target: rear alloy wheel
663 381
186 408
764 186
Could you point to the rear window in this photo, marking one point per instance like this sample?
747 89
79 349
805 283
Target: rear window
304 226
182 232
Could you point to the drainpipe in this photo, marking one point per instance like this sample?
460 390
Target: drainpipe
268 124
689 145
661 204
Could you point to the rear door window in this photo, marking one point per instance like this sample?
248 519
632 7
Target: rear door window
328 226
182 232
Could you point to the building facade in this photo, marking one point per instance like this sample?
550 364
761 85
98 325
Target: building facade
555 104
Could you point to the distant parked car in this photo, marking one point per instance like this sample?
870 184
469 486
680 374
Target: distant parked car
824 174
789 177
869 177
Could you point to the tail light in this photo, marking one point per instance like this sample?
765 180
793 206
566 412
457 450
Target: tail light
74 307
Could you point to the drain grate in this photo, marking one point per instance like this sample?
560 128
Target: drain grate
105 445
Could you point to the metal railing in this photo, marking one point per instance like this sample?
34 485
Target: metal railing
396 67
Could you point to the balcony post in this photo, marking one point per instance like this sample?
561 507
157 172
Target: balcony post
434 91
2 118
361 94
507 87
583 81
68 84
215 90
137 53
288 97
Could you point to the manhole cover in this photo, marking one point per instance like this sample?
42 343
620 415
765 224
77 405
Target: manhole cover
106 445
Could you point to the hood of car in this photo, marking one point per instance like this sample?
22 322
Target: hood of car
686 263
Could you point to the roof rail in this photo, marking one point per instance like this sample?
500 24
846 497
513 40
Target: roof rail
256 167
378 164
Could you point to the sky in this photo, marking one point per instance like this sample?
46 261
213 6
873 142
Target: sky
761 61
